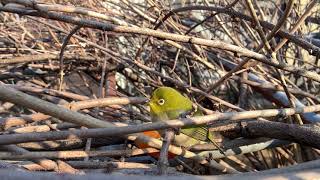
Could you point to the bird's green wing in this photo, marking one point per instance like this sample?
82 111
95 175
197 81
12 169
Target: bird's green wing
196 132
202 134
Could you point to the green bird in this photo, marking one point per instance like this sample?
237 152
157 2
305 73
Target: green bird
167 103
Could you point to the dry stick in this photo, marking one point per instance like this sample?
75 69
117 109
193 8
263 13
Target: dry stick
43 57
301 20
49 91
54 67
74 154
46 164
106 101
229 6
53 145
6 123
116 165
64 8
181 38
28 129
63 47
240 146
270 51
233 123
277 88
163 162
106 165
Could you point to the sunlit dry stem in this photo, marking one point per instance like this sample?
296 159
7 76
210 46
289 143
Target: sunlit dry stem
163 162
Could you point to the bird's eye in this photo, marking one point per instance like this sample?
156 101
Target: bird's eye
161 101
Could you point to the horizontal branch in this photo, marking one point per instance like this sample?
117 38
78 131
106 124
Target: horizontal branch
44 57
74 154
278 130
215 154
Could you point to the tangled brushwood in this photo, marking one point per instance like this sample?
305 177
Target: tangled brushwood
76 77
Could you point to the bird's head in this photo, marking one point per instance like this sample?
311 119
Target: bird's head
167 99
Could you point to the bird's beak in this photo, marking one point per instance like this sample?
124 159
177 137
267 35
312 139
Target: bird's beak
147 103
151 104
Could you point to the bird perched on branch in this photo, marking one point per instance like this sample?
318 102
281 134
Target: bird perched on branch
167 103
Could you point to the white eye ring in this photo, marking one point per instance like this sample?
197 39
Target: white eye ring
161 102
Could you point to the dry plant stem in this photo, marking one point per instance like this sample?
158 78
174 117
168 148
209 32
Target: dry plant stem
215 154
96 165
116 165
53 145
49 91
64 8
63 47
163 162
285 155
44 163
43 57
66 168
301 20
206 19
170 36
277 88
259 27
223 168
91 103
74 154
6 123
28 129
